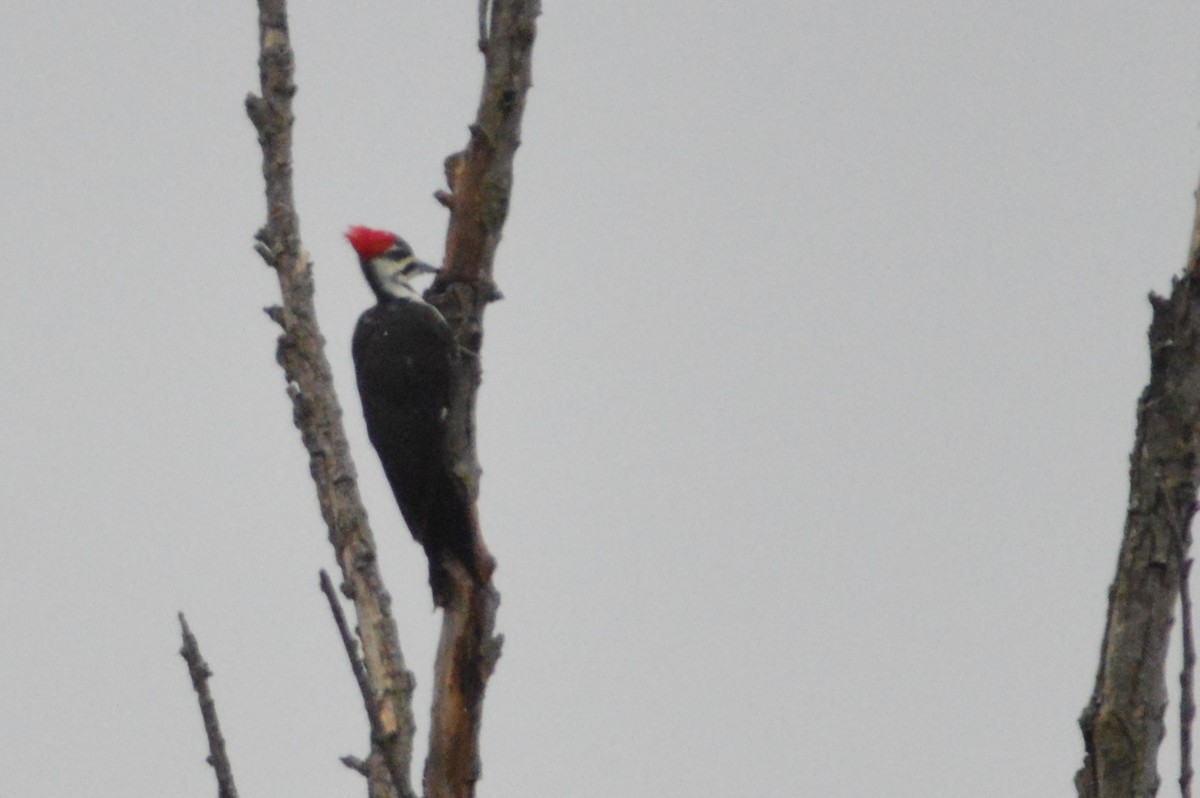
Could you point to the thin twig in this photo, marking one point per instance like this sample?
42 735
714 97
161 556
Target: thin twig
483 26
397 770
351 646
1181 525
355 764
199 671
1187 700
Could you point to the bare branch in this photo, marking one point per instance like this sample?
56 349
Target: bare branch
480 182
397 770
483 31
199 671
1123 724
1187 700
316 411
351 646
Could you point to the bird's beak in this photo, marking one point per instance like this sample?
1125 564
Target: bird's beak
425 268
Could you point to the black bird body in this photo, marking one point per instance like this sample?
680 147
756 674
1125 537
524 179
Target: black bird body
404 353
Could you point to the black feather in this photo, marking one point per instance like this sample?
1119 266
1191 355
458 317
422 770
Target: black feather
403 356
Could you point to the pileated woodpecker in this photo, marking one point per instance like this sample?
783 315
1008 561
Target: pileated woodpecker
403 355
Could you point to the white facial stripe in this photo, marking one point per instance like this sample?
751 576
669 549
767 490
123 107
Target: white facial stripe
392 278
390 270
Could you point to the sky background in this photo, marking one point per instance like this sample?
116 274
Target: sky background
805 418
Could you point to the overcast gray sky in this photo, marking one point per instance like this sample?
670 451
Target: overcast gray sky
805 418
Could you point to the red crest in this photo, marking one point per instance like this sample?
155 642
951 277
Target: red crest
370 243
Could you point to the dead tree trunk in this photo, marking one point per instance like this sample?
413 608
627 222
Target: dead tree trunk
1123 722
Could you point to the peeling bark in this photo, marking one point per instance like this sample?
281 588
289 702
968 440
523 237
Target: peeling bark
480 182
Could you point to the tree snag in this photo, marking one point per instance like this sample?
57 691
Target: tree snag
480 183
1123 724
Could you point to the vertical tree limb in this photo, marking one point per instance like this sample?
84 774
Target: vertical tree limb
1187 700
315 407
1122 724
480 182
198 670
